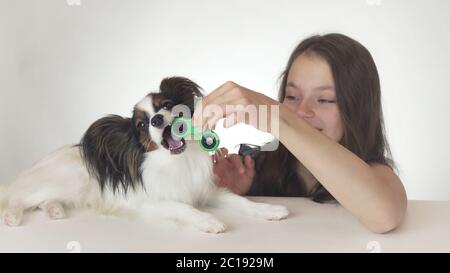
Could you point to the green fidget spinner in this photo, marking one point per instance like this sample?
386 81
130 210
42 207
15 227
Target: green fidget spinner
182 128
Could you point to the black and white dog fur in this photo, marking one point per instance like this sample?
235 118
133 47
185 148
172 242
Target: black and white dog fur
132 164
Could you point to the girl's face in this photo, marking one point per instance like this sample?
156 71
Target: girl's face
310 93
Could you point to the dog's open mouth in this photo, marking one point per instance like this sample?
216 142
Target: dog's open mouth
174 145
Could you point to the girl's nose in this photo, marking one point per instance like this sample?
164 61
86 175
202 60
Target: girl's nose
304 111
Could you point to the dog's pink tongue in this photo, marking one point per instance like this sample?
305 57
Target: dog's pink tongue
174 144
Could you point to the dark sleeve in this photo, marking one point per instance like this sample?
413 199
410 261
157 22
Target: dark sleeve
251 150
254 152
270 180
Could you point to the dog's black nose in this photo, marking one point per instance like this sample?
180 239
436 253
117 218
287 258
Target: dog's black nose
157 121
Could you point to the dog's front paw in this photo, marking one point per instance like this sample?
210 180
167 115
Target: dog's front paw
12 219
55 211
270 212
210 224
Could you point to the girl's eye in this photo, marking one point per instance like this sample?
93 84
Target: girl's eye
167 106
326 101
291 98
142 125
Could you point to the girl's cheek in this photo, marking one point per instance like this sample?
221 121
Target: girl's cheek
338 129
332 124
290 105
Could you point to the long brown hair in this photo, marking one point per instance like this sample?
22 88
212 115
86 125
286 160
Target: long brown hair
358 98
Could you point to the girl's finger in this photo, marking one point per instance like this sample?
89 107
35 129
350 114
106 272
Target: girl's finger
214 158
212 120
219 155
222 111
249 162
216 108
224 152
230 120
209 99
237 163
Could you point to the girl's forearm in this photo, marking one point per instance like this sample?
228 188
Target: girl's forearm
349 179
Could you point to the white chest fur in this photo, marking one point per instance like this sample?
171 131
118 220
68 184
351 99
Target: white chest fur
185 177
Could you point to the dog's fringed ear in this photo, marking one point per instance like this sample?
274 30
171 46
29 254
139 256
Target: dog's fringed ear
112 153
138 120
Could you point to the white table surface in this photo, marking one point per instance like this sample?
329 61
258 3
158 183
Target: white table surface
311 227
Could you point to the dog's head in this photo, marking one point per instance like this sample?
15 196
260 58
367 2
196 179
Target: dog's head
153 115
113 147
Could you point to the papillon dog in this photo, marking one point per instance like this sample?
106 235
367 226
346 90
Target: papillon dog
135 165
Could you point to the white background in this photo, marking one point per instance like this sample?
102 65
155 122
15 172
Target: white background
63 66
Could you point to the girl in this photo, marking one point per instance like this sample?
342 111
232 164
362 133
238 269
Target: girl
333 145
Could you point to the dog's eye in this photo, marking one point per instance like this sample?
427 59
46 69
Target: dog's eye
142 125
167 106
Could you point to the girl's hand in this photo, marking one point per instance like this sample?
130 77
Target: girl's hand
234 103
232 172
